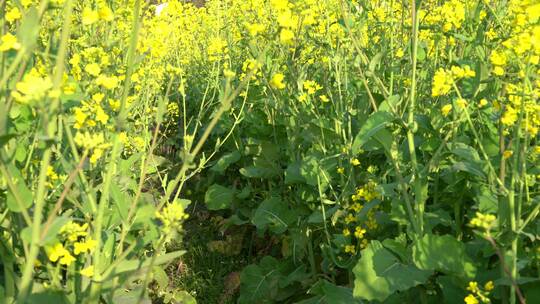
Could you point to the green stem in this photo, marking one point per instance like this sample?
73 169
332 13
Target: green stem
28 270
50 129
418 197
95 289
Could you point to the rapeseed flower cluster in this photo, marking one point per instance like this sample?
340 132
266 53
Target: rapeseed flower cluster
171 218
73 243
483 221
353 228
477 295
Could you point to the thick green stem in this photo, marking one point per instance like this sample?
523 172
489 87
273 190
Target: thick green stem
418 197
50 128
28 271
98 223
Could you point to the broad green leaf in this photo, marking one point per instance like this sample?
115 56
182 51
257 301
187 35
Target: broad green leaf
295 244
437 217
121 200
398 246
139 264
487 200
180 297
398 212
470 160
317 216
260 283
20 153
4 139
273 214
469 168
465 152
22 197
375 61
144 213
225 161
160 276
443 253
218 197
452 289
328 293
106 252
254 172
383 138
153 162
379 273
128 296
390 104
126 165
298 274
48 296
161 110
420 54
262 168
375 123
293 174
316 171
531 292
244 193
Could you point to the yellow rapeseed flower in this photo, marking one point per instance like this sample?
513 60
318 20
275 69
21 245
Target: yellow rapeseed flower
67 259
108 82
9 42
88 271
171 217
73 230
31 88
105 13
101 116
350 218
56 252
277 81
13 14
446 109
359 232
286 36
461 103
255 28
470 299
498 71
87 246
510 116
484 221
324 98
482 103
507 154
93 69
473 287
311 86
350 249
498 58
442 83
89 16
26 3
